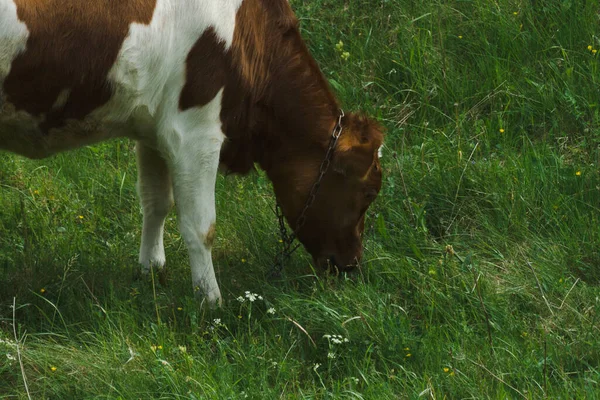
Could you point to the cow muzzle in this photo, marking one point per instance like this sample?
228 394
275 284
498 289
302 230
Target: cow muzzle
335 265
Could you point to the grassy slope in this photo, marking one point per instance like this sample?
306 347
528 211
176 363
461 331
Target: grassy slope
493 148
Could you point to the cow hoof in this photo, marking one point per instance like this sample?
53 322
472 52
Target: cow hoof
155 273
211 298
162 276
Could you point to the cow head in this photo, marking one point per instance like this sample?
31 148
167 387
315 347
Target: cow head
332 232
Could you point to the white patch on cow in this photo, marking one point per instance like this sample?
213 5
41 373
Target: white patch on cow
151 62
192 148
13 37
61 99
380 151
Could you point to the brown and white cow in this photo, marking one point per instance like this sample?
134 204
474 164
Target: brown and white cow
195 83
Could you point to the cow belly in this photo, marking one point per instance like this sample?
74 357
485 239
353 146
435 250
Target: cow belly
21 132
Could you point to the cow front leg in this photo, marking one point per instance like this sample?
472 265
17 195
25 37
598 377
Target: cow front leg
156 197
194 170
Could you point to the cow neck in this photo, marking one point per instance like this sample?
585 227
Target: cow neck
304 108
277 104
303 114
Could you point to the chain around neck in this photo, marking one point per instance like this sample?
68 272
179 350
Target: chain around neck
288 239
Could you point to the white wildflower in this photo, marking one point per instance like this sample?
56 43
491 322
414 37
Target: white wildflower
252 296
316 367
217 321
271 311
331 355
10 357
336 339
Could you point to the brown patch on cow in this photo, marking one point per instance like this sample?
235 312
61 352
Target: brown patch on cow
209 239
275 91
207 67
72 46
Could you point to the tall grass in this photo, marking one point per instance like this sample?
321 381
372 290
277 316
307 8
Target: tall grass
481 269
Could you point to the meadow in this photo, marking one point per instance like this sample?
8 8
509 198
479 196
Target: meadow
481 272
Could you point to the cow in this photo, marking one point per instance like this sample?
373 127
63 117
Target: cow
197 84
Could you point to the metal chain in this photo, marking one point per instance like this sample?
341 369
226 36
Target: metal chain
288 239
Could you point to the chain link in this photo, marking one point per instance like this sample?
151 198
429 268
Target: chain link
288 239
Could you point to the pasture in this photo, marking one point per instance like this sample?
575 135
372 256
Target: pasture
481 271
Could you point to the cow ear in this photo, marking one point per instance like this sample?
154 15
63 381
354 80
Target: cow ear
358 146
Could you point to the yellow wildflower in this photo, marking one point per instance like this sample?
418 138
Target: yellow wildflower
43 290
53 368
446 369
590 47
80 217
594 51
578 173
501 130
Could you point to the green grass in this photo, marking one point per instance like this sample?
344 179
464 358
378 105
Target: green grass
493 148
